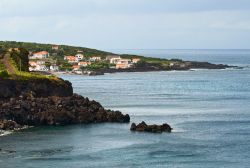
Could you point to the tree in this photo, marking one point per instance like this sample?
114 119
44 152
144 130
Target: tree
21 59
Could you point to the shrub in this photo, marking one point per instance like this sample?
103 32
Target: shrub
4 74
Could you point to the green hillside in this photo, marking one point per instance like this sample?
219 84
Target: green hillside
63 49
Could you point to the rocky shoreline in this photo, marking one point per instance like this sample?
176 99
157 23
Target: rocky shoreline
29 103
183 66
75 109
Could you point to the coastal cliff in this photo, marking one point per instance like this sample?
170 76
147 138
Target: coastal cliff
41 102
37 87
38 99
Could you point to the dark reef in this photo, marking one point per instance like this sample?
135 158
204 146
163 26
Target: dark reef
143 127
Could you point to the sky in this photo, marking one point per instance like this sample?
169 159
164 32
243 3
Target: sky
129 24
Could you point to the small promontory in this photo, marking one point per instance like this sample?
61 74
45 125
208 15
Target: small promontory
35 99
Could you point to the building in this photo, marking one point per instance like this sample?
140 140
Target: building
83 64
79 56
76 67
41 68
114 60
135 60
123 64
109 57
95 59
40 55
55 47
13 49
40 62
32 63
54 68
37 66
71 59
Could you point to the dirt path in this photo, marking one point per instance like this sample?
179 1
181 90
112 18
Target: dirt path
6 62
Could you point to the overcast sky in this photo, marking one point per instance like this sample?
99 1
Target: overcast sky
129 24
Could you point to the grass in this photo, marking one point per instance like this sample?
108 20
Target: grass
22 75
3 72
2 67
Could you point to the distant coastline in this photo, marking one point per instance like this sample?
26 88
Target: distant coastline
52 58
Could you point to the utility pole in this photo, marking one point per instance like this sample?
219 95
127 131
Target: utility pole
20 65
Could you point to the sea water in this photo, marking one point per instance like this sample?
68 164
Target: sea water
208 109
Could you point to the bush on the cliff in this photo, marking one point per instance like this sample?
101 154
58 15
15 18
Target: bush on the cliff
21 59
2 67
97 65
4 74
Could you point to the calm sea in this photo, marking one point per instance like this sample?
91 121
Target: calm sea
208 109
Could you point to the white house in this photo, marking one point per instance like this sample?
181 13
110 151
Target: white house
95 59
54 68
40 55
113 59
124 63
41 68
109 57
55 47
37 66
40 62
79 56
135 60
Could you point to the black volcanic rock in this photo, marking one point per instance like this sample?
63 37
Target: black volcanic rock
49 102
8 125
57 111
36 88
143 127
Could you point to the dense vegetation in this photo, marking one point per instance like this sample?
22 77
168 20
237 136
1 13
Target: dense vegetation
18 61
97 65
21 59
57 56
63 49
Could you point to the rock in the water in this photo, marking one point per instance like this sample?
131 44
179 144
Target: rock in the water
143 127
8 125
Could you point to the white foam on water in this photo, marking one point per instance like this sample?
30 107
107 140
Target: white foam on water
4 133
178 130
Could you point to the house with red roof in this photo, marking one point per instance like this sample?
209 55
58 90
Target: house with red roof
71 59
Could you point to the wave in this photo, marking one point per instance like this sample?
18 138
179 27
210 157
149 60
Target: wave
4 133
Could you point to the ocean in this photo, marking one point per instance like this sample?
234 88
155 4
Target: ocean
209 111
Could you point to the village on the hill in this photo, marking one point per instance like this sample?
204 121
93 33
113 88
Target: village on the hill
43 61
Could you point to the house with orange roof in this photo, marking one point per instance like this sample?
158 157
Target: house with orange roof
83 64
76 67
32 63
71 59
40 55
